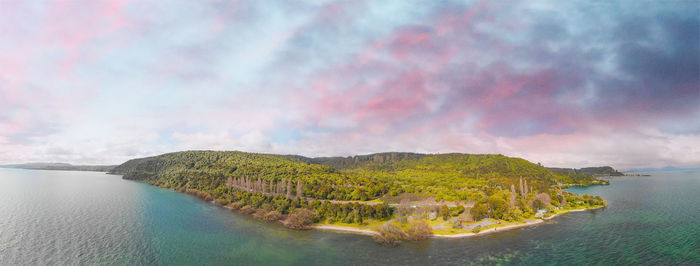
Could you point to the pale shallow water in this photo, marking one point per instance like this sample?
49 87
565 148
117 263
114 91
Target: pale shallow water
64 217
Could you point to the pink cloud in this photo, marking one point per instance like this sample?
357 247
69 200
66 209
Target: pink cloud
449 77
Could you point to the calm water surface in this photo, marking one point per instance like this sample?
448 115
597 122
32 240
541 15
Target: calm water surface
63 217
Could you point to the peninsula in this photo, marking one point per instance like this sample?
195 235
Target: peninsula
391 196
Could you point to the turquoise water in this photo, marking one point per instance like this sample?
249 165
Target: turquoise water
63 217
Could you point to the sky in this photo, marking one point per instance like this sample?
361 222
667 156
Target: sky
563 83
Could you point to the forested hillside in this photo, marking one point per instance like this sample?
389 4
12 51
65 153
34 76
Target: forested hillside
355 189
360 160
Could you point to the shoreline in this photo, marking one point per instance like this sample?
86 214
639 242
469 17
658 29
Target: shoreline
489 231
574 210
342 229
358 231
369 232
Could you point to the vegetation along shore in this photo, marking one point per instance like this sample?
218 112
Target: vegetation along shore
391 196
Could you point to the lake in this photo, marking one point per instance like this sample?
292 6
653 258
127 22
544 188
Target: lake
67 217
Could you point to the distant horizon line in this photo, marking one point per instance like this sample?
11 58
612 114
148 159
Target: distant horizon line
629 169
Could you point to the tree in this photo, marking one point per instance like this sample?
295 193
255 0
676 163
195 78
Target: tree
513 214
497 207
296 203
281 204
563 198
444 212
479 211
538 204
522 189
300 189
527 191
354 217
404 210
544 198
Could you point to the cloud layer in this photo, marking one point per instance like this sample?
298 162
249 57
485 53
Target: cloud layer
563 83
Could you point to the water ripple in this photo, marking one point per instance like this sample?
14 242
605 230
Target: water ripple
56 217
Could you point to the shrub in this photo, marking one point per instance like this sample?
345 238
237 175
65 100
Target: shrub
221 201
259 214
200 194
247 209
235 205
266 207
477 229
272 216
418 229
300 219
389 234
456 211
457 223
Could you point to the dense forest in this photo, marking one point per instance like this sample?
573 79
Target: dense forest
359 189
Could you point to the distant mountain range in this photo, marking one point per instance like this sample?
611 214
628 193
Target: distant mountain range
667 168
61 166
594 171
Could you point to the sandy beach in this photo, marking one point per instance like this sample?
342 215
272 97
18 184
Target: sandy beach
343 229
